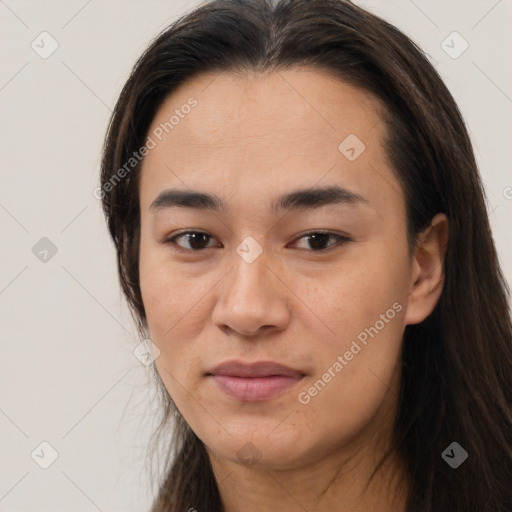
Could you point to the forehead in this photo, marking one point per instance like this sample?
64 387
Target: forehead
268 131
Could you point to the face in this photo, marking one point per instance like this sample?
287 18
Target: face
277 298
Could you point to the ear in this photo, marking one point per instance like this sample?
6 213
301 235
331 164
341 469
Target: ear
427 272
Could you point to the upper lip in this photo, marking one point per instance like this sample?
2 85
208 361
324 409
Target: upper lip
257 369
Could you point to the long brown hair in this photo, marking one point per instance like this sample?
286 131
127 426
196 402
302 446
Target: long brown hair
457 364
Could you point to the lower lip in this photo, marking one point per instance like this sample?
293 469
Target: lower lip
255 389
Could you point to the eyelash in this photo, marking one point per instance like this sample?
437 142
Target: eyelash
341 240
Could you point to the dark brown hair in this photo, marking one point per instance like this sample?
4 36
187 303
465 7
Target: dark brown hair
457 364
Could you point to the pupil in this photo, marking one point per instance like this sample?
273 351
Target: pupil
318 237
195 237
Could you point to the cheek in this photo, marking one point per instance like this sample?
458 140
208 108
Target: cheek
361 307
351 296
173 323
163 297
166 292
171 303
176 306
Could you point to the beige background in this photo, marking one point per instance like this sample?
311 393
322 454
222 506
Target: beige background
68 374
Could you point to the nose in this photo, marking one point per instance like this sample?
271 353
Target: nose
252 298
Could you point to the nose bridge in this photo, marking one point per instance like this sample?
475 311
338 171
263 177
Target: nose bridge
251 296
248 276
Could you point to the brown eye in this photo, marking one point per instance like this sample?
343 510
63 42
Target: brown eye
319 241
197 240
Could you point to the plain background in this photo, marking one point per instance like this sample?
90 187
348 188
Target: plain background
68 374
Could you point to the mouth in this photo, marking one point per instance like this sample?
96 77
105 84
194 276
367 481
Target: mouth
254 382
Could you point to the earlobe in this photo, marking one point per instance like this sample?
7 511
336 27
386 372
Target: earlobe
427 272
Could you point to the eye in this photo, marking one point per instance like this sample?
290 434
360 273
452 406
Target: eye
318 240
196 239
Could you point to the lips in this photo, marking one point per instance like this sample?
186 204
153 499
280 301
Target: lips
254 382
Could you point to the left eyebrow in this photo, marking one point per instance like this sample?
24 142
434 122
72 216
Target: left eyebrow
308 198
317 197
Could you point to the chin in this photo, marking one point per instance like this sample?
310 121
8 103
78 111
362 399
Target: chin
258 447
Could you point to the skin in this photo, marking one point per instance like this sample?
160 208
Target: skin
250 139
